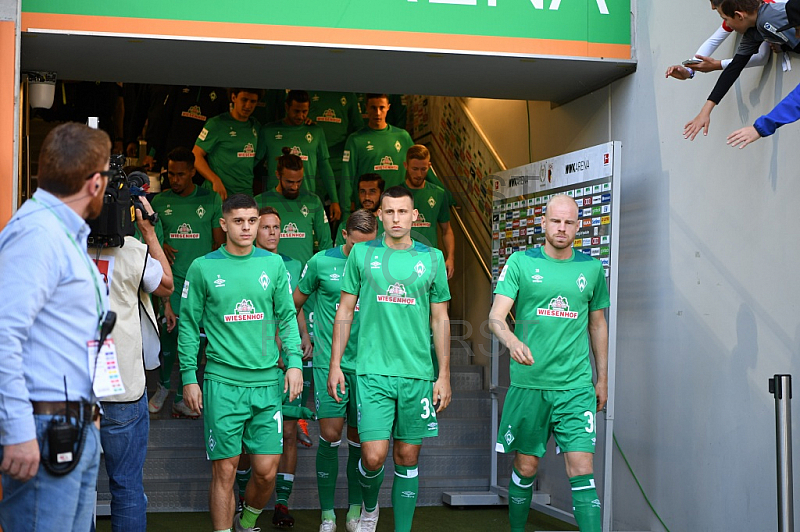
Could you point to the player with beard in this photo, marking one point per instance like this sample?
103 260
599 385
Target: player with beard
370 188
190 216
559 294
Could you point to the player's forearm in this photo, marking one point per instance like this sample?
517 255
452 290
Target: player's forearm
202 167
441 342
157 252
342 324
301 322
599 338
449 242
499 327
727 79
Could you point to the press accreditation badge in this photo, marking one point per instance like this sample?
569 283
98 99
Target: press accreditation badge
107 378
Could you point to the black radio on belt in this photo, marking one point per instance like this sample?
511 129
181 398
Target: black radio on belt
62 435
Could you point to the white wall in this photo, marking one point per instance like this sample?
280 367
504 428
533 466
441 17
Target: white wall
708 296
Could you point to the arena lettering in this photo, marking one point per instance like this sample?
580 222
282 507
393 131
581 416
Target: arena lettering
576 167
537 4
569 314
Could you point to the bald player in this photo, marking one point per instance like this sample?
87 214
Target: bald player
559 293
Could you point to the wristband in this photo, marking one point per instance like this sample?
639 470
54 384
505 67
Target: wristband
691 73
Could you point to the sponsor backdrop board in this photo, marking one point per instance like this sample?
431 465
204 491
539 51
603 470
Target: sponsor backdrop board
519 197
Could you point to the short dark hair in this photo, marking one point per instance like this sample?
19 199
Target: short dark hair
372 96
233 91
181 154
70 154
269 210
362 221
238 201
397 192
296 96
715 4
372 177
289 161
730 7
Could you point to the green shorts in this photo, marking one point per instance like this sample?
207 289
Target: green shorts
237 415
287 402
327 407
395 406
531 416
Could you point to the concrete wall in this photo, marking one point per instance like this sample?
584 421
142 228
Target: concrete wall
708 295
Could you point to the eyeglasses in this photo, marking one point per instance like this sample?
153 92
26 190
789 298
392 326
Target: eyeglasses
104 173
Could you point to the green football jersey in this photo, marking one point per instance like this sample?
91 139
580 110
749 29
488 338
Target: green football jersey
188 224
553 301
231 147
374 151
340 239
323 276
302 220
307 142
396 289
242 301
434 208
338 115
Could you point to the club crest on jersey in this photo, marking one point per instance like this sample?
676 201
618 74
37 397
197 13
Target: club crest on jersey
213 96
290 231
421 221
244 311
309 137
219 282
386 164
200 211
432 202
419 268
558 308
396 293
344 101
509 436
184 233
264 280
398 146
304 211
249 151
581 282
346 156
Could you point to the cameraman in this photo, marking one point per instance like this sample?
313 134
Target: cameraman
54 307
133 271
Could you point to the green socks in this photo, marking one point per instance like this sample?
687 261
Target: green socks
520 493
283 488
370 482
249 516
586 504
242 478
404 496
353 488
327 471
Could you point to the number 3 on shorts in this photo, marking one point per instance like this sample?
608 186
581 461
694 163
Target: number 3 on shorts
427 410
590 423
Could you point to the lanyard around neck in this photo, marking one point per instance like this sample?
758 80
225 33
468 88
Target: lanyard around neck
86 260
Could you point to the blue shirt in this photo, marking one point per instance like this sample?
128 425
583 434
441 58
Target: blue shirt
48 311
786 112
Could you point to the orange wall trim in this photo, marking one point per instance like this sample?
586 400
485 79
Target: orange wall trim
8 60
197 30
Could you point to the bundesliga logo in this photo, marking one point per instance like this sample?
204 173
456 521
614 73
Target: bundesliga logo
396 294
184 233
244 311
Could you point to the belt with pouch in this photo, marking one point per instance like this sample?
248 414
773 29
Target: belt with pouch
86 412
